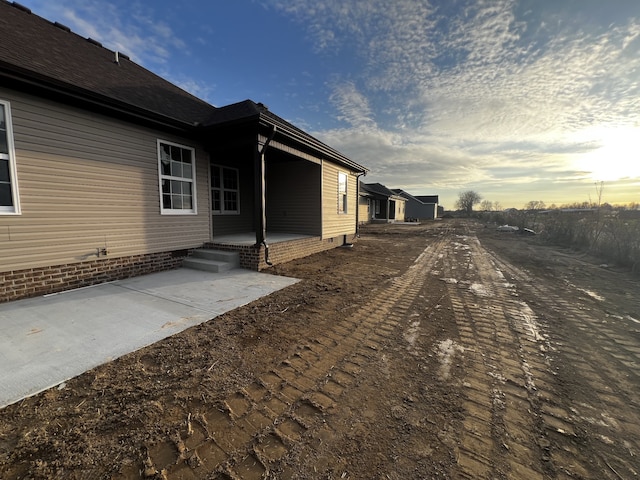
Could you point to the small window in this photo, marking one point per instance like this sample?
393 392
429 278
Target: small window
9 203
342 192
176 165
225 190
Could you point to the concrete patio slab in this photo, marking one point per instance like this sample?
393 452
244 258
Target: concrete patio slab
47 340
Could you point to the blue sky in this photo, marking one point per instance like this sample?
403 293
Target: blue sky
517 100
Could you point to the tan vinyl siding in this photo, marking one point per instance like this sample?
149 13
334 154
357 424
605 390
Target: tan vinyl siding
399 204
293 197
364 213
88 181
334 223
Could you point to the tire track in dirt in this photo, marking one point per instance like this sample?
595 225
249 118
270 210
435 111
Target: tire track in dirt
246 435
595 431
505 368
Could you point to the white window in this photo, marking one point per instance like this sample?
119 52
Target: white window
342 192
225 190
177 168
9 203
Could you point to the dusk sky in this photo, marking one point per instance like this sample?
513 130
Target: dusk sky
517 100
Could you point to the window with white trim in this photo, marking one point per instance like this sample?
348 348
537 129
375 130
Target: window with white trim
342 192
177 169
9 201
225 190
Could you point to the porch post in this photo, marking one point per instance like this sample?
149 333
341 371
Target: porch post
261 193
260 198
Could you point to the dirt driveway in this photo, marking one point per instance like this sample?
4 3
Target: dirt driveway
444 350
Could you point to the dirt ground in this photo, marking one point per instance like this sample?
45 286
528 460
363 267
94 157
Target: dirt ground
444 350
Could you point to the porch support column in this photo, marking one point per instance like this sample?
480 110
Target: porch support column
260 199
261 193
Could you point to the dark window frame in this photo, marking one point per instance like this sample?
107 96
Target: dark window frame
225 190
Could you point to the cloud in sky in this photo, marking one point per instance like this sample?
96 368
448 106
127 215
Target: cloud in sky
512 98
484 94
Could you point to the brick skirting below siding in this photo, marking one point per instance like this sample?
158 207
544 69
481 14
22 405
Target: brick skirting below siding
33 282
253 258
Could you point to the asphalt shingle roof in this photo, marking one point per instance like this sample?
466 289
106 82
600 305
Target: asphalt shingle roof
34 48
378 189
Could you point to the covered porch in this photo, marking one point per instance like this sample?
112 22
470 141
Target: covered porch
269 198
385 206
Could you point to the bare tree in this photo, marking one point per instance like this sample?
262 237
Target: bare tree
486 205
535 205
466 201
532 208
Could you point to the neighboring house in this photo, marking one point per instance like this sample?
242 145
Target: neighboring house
366 205
383 204
432 201
421 207
109 171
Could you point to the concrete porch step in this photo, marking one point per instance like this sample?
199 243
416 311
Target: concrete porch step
212 260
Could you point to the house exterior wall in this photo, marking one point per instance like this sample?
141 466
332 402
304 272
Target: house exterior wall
413 210
364 210
420 211
293 197
431 211
400 211
88 182
334 223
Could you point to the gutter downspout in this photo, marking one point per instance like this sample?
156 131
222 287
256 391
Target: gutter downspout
261 203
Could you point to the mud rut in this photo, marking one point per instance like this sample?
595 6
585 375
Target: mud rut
545 398
520 419
260 424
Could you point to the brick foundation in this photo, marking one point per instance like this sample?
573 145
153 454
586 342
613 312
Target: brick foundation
33 282
253 258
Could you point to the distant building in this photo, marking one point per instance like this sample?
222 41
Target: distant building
378 203
420 207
